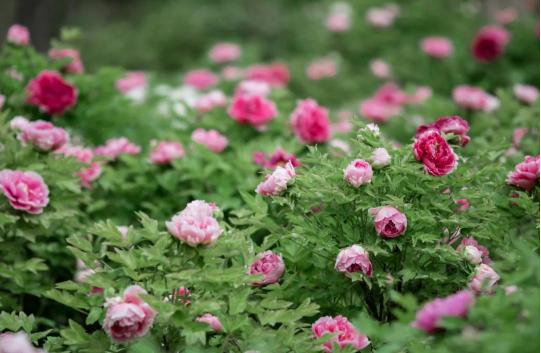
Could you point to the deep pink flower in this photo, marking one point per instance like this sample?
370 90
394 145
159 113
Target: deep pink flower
484 279
164 152
18 342
506 16
276 74
18 35
321 68
310 122
268 264
224 52
388 221
344 333
474 252
429 317
380 158
134 80
211 139
489 43
434 152
276 182
212 100
437 47
526 174
50 93
463 205
41 134
200 79
526 93
129 317
354 259
113 148
251 109
454 125
212 321
195 225
84 155
358 172
380 68
74 65
25 191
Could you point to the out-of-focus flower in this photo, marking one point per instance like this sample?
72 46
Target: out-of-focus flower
310 122
74 65
380 158
232 73
84 155
489 43
380 68
18 35
18 342
224 52
276 182
211 100
321 68
429 317
437 47
484 280
200 79
275 74
115 147
50 93
339 18
211 139
164 152
463 205
43 135
382 17
133 85
279 157
252 109
526 93
254 87
211 320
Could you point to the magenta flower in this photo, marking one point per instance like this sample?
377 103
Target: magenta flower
429 317
434 152
43 135
310 122
254 110
50 93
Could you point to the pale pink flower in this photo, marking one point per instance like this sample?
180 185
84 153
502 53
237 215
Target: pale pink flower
344 333
74 64
484 279
506 16
380 68
343 125
310 122
212 321
321 68
526 93
279 157
164 152
380 158
84 155
339 147
378 111
224 52
518 135
276 182
354 259
509 290
200 79
232 73
113 148
437 47
195 225
268 264
211 139
43 135
420 95
253 87
470 97
382 17
338 20
358 172
131 81
25 191
388 221
18 35
209 101
18 342
275 74
254 110
526 174
129 317
431 314
474 252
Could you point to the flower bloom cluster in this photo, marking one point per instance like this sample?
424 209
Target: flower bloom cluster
18 35
268 264
454 125
275 74
43 135
345 334
474 98
25 191
276 182
429 317
116 147
164 152
195 225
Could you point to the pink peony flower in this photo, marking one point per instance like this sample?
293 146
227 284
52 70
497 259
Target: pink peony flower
18 35
211 139
354 259
82 274
212 321
484 280
129 317
321 68
380 68
135 80
338 21
382 17
164 152
343 125
377 111
224 52
474 252
276 74
251 109
113 148
251 87
195 225
232 73
453 125
268 264
420 95
489 43
526 93
526 174
84 155
437 47
344 333
50 93
358 172
74 65
506 16
463 205
380 158
18 342
469 97
212 100
429 317
41 134
388 221
183 296
518 135
310 122
200 79
279 157
434 152
25 191
276 183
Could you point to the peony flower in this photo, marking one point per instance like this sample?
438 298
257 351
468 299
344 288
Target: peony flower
526 174
382 17
25 191
43 135
354 259
484 279
276 74
224 52
518 135
211 139
195 225
380 158
276 182
358 172
434 152
254 110
463 205
200 79
164 152
50 93
338 22
84 155
113 148
18 342
380 68
321 68
251 87
18 35
526 93
232 73
454 125
343 125
429 317
74 65
129 317
132 81
489 43
472 250
279 157
506 16
388 221
469 97
310 122
212 100
420 95
339 147
212 321
437 47
344 333
268 264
